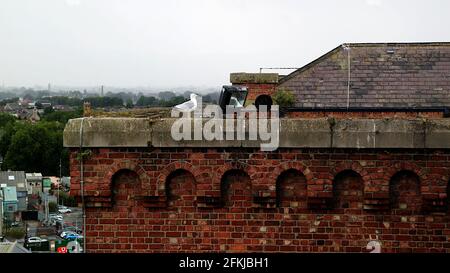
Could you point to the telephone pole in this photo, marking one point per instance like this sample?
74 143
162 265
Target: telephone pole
60 182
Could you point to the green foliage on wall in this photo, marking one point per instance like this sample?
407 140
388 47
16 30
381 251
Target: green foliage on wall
284 98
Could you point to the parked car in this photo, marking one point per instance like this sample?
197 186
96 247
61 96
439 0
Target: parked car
73 236
64 233
36 240
70 235
73 229
65 210
55 216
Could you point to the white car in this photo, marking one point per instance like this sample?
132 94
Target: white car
36 240
66 210
57 217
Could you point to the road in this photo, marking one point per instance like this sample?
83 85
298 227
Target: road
75 218
70 219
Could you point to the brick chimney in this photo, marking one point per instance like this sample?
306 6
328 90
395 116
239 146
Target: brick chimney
258 84
87 111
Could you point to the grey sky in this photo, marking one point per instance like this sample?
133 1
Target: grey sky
196 42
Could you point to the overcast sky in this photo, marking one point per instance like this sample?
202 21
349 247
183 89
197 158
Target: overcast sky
171 43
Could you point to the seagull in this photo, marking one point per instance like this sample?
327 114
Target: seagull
189 105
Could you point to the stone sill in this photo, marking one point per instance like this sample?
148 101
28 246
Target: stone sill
294 133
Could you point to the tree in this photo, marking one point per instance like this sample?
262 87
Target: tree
104 101
28 96
129 104
284 98
166 95
147 101
34 148
67 200
173 101
6 119
63 100
48 110
62 116
52 207
6 101
9 130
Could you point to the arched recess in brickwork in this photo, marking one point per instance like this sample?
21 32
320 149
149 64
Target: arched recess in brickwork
128 165
354 166
180 188
236 189
228 166
291 189
406 166
296 165
404 192
348 190
264 100
124 187
164 173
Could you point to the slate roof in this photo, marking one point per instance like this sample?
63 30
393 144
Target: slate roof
17 179
33 177
391 75
12 247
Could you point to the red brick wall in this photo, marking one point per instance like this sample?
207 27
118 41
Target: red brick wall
348 188
257 89
291 189
244 200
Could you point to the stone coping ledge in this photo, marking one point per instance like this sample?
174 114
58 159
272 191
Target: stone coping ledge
294 133
255 78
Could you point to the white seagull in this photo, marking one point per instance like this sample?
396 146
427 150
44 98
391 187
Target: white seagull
189 105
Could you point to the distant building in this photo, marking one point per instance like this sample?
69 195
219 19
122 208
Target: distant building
46 184
24 102
11 107
65 182
46 104
12 247
1 213
34 182
34 116
10 203
16 179
54 181
63 108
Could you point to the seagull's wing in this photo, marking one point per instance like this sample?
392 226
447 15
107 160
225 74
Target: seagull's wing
186 106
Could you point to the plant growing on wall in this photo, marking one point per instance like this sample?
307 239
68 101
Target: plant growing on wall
85 154
284 98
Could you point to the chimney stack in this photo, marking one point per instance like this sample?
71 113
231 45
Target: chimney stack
259 85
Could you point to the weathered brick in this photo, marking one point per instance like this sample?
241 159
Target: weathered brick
400 178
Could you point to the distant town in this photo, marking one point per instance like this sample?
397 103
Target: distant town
38 213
